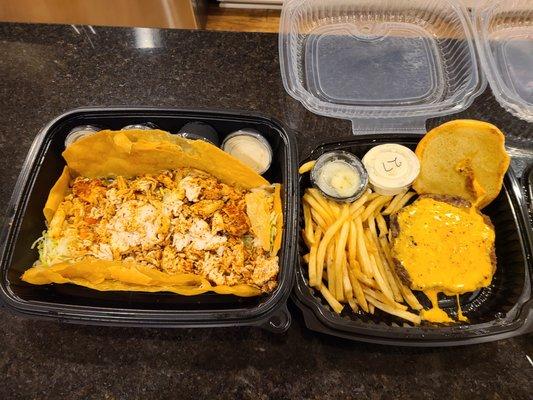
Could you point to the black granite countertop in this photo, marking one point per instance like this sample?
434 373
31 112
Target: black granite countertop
46 70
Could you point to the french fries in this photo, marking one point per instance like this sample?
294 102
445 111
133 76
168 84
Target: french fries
415 319
346 284
319 208
374 205
312 258
353 305
337 307
349 258
308 166
382 224
398 202
309 235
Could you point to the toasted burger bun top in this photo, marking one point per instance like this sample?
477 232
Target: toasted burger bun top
463 158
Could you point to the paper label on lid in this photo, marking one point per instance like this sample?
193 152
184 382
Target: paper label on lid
391 166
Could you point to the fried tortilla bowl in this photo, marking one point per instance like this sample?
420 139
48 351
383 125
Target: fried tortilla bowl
111 162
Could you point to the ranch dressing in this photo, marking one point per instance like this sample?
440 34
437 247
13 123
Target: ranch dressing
250 148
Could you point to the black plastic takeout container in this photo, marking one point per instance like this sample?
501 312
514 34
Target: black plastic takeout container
71 303
503 309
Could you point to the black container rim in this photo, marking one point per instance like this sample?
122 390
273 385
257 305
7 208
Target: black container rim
271 314
313 323
322 319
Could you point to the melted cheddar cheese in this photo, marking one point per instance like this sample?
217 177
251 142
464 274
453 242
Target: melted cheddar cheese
444 248
434 314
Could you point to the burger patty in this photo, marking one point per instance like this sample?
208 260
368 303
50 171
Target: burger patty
402 273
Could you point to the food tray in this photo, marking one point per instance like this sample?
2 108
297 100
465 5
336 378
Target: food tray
503 309
386 65
71 303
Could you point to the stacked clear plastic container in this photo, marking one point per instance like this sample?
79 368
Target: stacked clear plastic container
505 43
387 65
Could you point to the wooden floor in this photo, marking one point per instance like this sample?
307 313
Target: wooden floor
230 19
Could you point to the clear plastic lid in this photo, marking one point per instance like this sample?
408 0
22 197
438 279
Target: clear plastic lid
505 43
387 65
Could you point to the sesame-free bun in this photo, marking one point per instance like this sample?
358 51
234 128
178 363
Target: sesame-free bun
463 158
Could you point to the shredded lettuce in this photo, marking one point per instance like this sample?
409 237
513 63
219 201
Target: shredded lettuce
273 228
51 251
41 248
248 241
38 241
